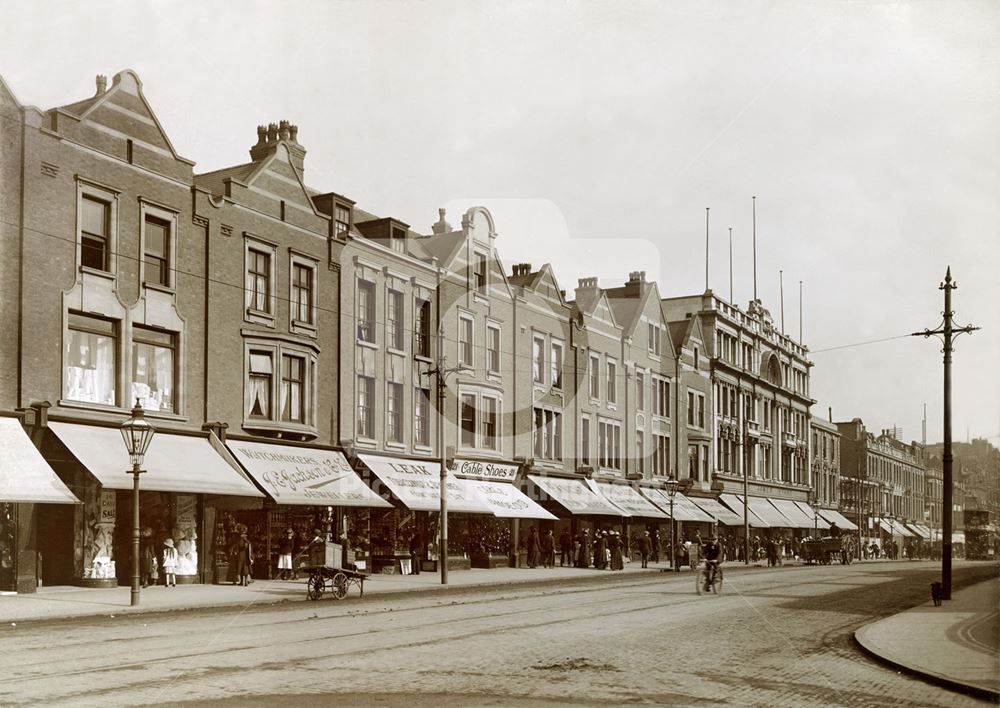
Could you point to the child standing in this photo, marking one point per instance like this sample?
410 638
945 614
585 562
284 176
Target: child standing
169 563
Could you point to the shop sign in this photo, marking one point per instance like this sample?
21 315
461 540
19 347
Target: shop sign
304 476
108 506
186 509
418 484
485 470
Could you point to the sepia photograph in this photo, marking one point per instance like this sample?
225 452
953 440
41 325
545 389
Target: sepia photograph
537 354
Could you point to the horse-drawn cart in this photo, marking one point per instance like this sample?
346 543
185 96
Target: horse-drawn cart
825 551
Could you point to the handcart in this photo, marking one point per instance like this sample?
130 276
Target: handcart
336 580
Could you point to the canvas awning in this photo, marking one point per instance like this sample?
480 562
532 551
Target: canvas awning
736 504
814 514
765 510
723 514
505 500
835 517
684 508
25 476
899 530
626 498
575 496
920 530
417 484
173 463
798 518
958 537
304 476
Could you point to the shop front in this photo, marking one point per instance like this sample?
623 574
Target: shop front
308 489
835 517
415 484
688 518
26 480
93 546
493 483
581 511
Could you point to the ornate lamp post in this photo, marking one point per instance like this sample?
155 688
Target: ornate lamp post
137 433
671 491
813 502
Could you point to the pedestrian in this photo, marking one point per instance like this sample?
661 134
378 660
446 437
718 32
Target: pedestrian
565 548
583 557
600 548
148 560
772 552
286 550
416 552
169 564
655 540
548 545
244 558
533 547
645 547
615 547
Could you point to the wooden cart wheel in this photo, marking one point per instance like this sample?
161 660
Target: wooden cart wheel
340 586
315 586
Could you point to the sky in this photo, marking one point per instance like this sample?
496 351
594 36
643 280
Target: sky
598 133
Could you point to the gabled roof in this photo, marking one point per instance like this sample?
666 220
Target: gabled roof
445 247
683 331
127 82
248 173
214 181
629 304
533 280
591 301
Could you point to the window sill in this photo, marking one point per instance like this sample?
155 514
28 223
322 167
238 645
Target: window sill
299 327
394 350
103 274
424 358
481 298
259 317
90 405
393 445
366 344
157 288
275 429
422 448
166 415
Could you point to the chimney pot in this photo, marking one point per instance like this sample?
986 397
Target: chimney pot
272 132
283 130
102 84
293 131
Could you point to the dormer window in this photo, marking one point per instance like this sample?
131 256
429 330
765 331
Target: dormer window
342 220
398 240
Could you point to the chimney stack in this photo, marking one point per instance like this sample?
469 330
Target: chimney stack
442 226
102 84
282 132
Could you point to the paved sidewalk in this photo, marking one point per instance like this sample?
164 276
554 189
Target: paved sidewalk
957 644
62 602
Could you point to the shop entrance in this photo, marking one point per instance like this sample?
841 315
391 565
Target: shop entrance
55 544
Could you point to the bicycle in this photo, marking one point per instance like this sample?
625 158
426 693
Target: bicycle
711 576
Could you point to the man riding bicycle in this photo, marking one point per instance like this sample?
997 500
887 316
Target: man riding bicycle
711 551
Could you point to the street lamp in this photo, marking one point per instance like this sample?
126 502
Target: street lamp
671 491
814 502
137 433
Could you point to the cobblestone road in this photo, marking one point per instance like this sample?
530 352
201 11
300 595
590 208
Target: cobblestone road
778 637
